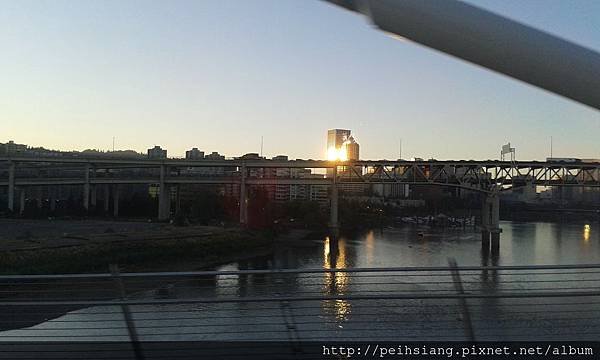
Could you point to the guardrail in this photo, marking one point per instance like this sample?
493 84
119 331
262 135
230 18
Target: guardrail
518 303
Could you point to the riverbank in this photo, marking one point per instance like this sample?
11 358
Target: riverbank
165 248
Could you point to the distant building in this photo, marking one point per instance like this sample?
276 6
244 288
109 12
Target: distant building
157 153
352 149
523 190
10 148
213 170
337 137
341 145
214 156
391 190
251 156
302 192
194 154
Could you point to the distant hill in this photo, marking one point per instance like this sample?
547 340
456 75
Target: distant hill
122 154
12 148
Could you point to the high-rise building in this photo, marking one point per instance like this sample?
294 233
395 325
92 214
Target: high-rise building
335 143
341 145
157 153
194 154
352 149
337 137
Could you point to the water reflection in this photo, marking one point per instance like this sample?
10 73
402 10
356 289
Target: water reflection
521 244
335 283
489 278
370 247
586 232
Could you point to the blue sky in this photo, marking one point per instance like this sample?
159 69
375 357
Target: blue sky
218 75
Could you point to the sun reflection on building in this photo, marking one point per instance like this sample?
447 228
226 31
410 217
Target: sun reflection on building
335 283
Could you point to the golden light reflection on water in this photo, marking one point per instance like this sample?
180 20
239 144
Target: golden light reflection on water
335 283
587 228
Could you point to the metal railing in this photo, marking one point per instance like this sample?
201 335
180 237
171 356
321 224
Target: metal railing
461 303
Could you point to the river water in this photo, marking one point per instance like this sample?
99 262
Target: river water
575 318
526 243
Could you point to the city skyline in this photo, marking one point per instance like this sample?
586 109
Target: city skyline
221 76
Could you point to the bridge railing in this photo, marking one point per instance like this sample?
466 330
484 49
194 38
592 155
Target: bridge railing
518 303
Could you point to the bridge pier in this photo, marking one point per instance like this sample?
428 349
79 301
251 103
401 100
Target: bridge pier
178 200
94 196
164 196
490 224
11 187
38 198
116 200
334 202
86 188
22 201
485 226
243 197
106 198
52 199
485 240
495 234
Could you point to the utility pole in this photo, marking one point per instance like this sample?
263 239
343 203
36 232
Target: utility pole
113 144
550 146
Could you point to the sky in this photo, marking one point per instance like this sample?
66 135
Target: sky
218 75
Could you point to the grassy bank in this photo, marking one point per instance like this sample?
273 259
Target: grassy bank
151 255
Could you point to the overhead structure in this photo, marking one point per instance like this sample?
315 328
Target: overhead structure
491 41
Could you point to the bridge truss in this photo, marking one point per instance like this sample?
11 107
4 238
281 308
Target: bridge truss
489 177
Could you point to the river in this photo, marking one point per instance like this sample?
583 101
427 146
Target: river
522 243
531 243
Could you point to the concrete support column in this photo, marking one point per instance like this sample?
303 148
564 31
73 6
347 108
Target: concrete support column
94 196
86 188
38 198
178 200
51 199
116 201
164 196
490 223
106 198
243 196
495 223
495 234
485 225
22 202
333 214
11 187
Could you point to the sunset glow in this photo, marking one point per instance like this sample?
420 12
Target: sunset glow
334 154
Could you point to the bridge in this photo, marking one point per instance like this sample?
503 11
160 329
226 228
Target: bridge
488 177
